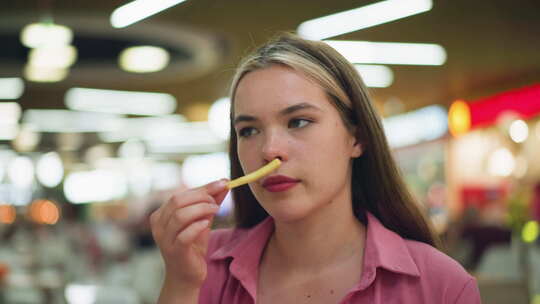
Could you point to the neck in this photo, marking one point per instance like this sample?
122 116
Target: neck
324 239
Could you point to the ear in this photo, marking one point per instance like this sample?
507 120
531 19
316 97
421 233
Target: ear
357 149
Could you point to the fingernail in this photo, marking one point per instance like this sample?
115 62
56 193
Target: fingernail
204 223
222 183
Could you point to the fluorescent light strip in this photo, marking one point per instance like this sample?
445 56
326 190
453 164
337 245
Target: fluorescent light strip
120 102
138 10
11 88
10 113
424 124
390 52
375 76
362 17
65 121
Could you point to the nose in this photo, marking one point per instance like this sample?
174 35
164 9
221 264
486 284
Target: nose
274 146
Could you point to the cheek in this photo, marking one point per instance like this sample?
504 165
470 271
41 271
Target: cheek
246 155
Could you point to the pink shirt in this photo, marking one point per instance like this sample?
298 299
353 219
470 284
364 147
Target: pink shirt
395 270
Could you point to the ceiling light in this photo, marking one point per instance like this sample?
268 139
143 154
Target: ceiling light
10 113
362 17
139 9
198 170
21 172
40 74
425 124
519 131
46 34
189 137
376 76
501 162
53 56
132 149
11 88
50 170
139 127
144 59
95 186
26 139
8 131
390 52
219 118
120 102
65 121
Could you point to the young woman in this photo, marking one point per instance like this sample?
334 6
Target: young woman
333 224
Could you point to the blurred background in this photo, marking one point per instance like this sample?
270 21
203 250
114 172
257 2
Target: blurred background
106 107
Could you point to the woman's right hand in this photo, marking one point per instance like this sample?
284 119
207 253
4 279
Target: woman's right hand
181 229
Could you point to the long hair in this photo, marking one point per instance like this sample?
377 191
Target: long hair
377 185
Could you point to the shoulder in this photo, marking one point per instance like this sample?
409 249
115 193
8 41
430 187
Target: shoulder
441 273
431 261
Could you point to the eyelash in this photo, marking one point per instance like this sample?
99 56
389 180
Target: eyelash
243 131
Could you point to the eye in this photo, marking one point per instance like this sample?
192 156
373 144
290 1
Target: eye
298 123
247 132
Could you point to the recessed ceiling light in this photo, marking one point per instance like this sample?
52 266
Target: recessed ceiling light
46 34
144 59
54 57
42 74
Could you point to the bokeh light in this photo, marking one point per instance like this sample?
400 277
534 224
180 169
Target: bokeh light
44 212
501 162
50 170
459 118
7 213
219 118
519 131
529 233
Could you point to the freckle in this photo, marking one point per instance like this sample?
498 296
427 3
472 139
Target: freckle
309 296
331 291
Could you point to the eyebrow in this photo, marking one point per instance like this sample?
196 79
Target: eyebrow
284 112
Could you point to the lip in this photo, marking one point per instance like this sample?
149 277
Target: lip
279 183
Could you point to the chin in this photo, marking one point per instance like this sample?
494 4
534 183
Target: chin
287 213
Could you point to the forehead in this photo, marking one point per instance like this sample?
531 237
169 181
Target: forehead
276 87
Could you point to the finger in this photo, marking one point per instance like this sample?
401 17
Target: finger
219 199
204 193
183 200
220 196
216 187
182 218
191 233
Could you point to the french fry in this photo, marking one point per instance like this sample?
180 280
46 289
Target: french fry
255 175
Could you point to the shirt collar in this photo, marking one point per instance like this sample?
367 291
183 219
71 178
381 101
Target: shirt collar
246 249
384 248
